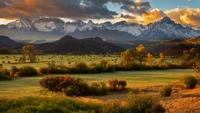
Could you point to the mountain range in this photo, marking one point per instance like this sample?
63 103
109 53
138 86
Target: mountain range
67 44
46 29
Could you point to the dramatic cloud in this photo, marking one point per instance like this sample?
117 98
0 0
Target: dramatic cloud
151 16
137 7
74 9
189 16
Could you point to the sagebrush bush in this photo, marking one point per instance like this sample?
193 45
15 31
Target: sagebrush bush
117 85
52 83
189 81
98 88
165 91
73 86
143 104
26 71
114 106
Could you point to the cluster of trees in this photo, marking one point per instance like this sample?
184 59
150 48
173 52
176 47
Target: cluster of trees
139 55
190 58
5 50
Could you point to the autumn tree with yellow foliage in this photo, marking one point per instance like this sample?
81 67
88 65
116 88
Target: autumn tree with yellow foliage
30 51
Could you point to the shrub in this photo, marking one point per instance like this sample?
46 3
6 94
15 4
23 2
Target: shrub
13 71
189 81
114 106
52 68
72 86
81 67
52 83
165 91
143 104
110 67
113 84
4 75
48 105
117 85
98 88
26 71
121 85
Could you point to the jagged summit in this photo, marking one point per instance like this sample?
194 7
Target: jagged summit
167 29
166 20
22 23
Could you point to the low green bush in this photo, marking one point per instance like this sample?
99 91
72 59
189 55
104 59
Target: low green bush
26 71
189 81
4 75
48 105
165 91
143 104
80 67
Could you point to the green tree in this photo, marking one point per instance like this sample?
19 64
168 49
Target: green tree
31 52
141 52
127 57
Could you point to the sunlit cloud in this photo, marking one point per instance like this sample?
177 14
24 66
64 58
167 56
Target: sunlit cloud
187 15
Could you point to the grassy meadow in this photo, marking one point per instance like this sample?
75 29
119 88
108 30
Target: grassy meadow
29 86
13 60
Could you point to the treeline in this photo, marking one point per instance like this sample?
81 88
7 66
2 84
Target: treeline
6 51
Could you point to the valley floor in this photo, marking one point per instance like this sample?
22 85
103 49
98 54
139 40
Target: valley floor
181 100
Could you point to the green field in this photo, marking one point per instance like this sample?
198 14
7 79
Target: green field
59 59
29 86
12 60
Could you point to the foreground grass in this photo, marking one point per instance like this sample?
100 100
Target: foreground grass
48 105
29 86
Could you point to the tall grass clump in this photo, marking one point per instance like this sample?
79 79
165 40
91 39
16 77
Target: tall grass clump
143 104
189 81
166 91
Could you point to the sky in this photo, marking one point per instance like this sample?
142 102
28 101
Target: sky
186 12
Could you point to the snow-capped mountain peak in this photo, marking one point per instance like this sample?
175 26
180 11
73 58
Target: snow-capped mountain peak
49 24
166 28
22 23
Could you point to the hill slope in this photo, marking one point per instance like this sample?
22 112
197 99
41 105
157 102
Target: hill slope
71 44
7 42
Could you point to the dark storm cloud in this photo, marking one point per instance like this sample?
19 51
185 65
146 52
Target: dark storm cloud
137 8
73 9
126 16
